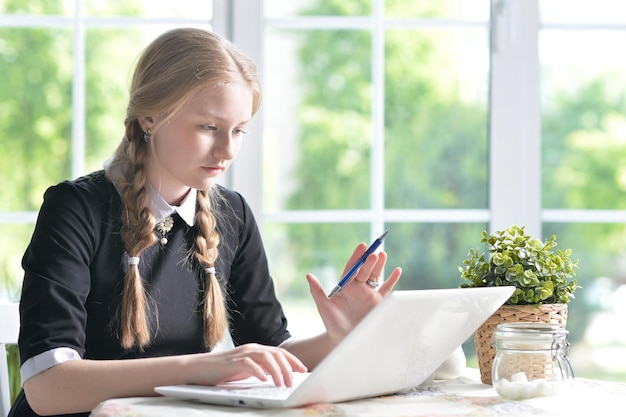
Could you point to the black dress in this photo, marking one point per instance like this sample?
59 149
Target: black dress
74 269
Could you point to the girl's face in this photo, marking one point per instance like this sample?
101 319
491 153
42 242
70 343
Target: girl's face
200 142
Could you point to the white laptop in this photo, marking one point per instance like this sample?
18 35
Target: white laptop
397 346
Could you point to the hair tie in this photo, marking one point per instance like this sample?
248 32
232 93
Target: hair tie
133 260
210 270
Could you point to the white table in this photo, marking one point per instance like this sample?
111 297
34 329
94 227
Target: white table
464 396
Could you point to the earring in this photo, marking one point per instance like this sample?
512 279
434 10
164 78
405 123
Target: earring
146 136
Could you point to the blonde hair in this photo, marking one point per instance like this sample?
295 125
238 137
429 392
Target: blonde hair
174 67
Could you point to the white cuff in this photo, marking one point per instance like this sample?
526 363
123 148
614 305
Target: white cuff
47 360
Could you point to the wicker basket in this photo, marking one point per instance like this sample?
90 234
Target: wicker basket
483 337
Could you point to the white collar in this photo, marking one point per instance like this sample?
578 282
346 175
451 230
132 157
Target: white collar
157 205
186 210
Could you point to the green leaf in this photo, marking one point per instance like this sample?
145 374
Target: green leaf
539 272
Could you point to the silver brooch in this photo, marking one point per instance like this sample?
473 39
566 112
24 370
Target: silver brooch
163 228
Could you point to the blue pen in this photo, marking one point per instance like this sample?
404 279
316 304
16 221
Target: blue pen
352 271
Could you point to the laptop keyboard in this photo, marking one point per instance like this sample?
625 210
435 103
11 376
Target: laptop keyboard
261 391
252 387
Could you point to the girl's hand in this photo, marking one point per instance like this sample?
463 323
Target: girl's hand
245 361
344 311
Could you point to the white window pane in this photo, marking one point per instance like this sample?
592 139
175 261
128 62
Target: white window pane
436 94
13 241
596 315
35 113
583 119
442 9
191 9
583 99
583 11
39 7
318 134
282 8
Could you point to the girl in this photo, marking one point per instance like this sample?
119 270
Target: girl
135 273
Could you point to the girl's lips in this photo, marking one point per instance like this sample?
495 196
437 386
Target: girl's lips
213 170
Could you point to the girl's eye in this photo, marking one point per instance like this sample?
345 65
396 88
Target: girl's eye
240 132
209 127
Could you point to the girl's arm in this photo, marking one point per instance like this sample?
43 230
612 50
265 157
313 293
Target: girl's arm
54 390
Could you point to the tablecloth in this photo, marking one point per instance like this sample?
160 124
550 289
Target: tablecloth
464 396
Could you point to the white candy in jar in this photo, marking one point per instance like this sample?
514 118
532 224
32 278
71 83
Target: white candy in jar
520 388
540 349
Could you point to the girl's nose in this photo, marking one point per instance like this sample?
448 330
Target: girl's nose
225 147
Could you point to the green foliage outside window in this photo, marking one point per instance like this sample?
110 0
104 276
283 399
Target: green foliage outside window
436 156
436 149
426 123
36 117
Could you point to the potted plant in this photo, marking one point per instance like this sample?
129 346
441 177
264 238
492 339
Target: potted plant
543 278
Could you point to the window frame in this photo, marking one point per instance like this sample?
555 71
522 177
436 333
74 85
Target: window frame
514 122
514 126
79 22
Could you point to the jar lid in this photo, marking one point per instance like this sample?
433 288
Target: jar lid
536 329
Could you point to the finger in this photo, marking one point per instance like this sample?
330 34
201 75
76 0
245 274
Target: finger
282 365
322 302
377 271
266 358
248 366
316 289
291 362
358 252
367 269
285 365
390 282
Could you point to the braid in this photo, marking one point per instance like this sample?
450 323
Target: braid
205 251
137 235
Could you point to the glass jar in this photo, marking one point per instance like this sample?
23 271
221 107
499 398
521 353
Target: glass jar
531 360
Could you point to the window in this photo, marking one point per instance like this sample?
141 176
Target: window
583 134
433 120
64 95
357 97
436 121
